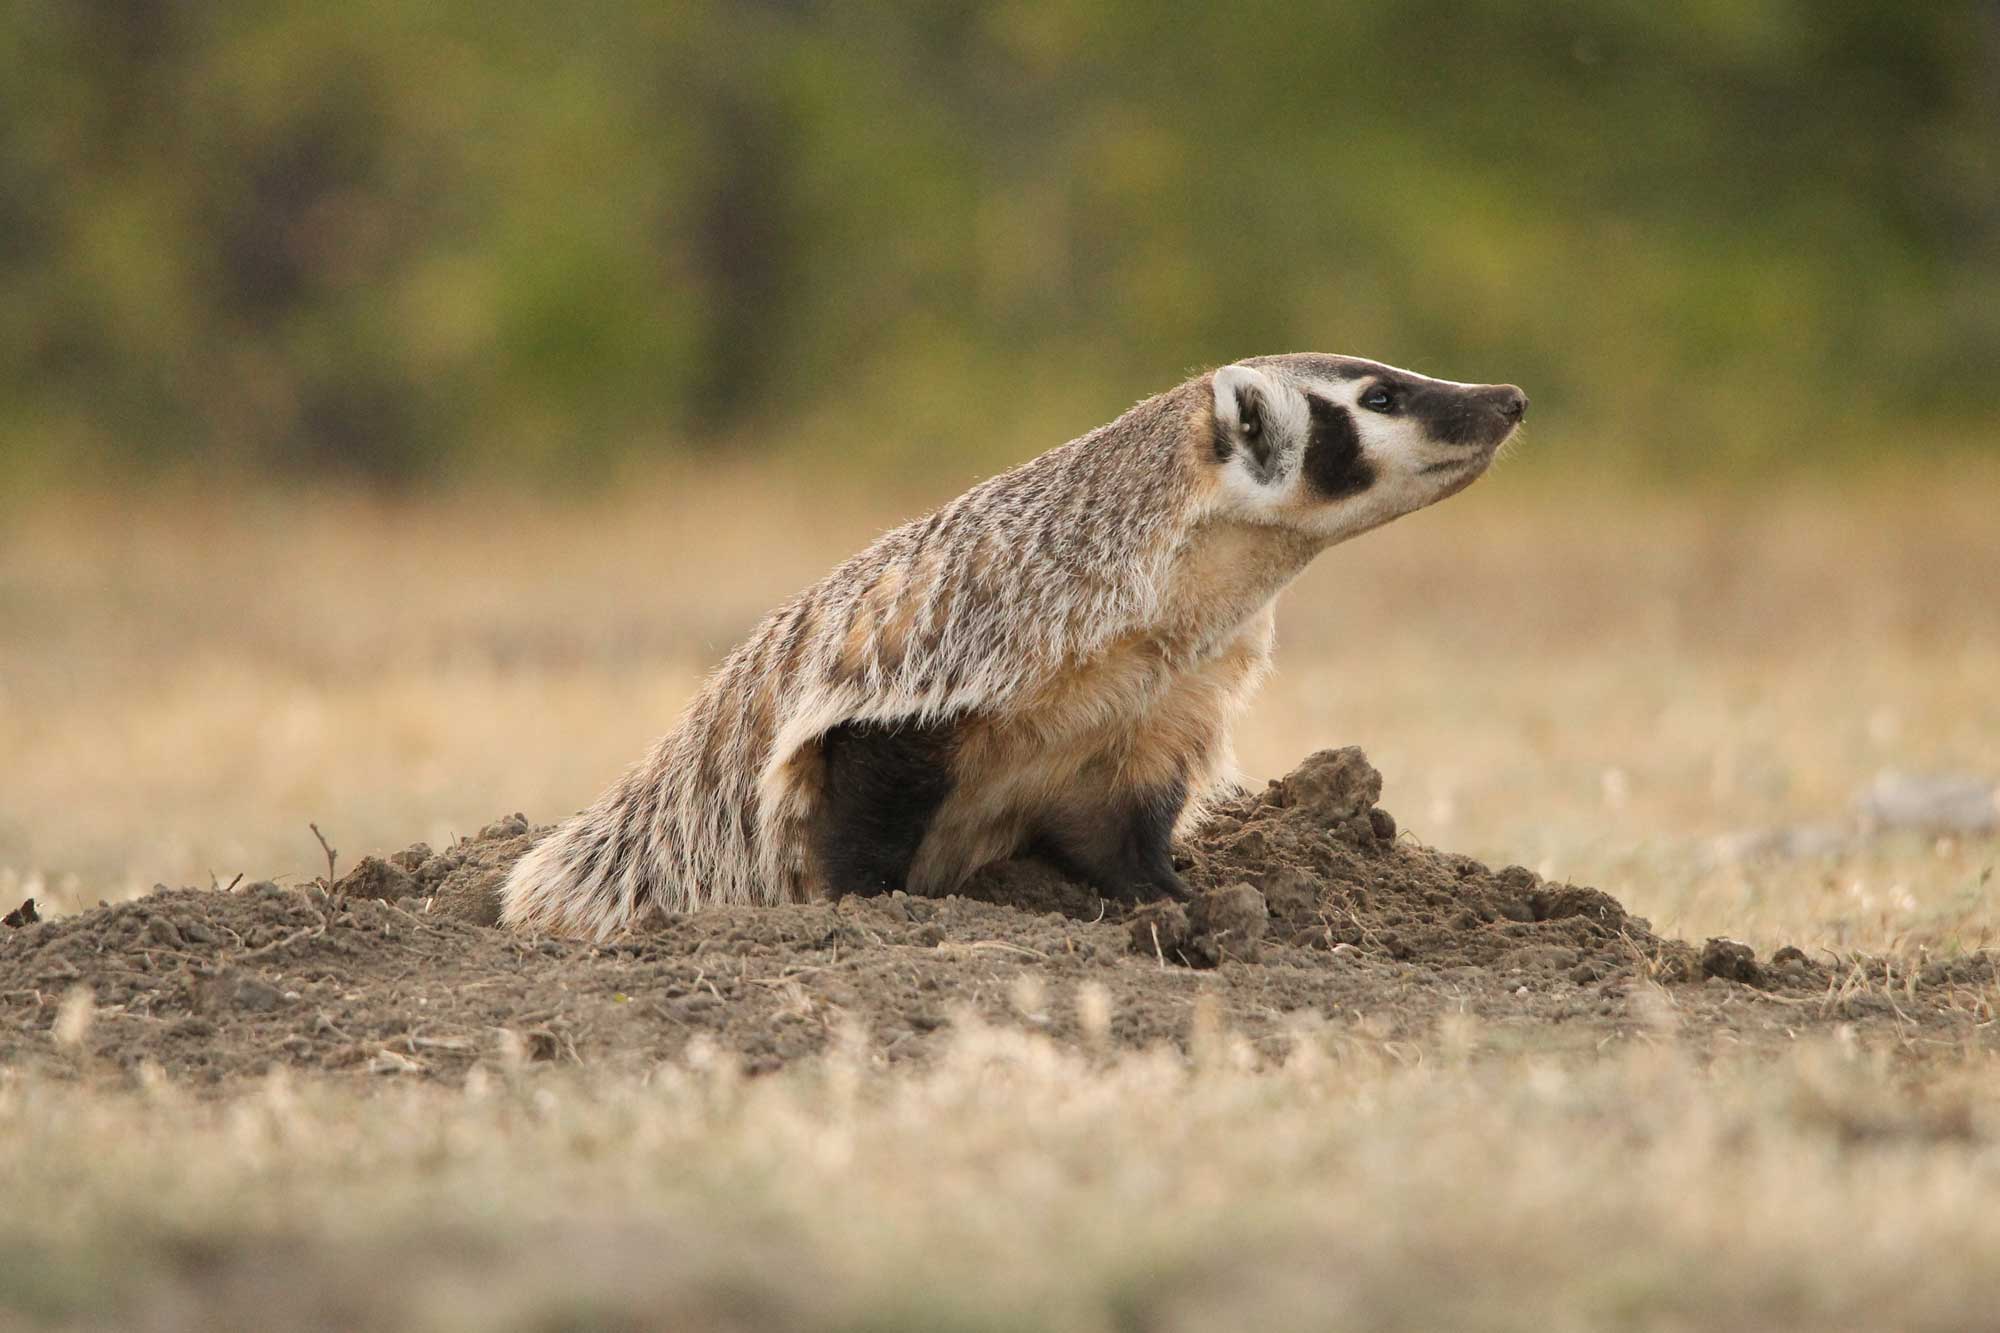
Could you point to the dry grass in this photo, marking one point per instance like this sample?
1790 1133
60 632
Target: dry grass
1018 1185
1593 684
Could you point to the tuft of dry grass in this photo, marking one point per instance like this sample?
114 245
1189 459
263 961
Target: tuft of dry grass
1019 1184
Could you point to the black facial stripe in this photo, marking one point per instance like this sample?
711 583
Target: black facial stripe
1448 417
1333 464
1458 416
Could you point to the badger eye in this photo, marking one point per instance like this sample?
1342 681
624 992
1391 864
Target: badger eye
1378 399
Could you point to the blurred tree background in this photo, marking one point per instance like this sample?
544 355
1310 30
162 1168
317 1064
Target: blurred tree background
399 241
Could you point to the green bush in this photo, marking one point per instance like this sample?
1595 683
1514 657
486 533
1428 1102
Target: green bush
401 240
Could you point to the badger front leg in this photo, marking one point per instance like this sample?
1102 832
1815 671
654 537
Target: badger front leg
1116 826
1123 847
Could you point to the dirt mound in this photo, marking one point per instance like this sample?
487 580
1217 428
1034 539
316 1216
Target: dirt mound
1308 905
1331 870
461 882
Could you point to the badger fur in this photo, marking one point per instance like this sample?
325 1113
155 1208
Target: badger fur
1049 662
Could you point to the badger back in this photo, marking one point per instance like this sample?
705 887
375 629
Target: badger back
962 611
968 608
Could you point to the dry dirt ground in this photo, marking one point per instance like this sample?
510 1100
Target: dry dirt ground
1309 907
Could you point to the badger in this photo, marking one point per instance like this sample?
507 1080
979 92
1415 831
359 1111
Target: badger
1050 663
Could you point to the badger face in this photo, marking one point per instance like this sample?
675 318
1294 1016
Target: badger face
1334 446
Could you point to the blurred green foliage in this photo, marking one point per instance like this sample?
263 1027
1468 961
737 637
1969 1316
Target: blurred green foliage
397 240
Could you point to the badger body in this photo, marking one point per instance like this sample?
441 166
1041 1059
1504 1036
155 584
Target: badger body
1049 662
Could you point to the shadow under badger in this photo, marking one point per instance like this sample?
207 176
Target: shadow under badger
1050 662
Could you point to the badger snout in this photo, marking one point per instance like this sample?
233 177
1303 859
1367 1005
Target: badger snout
1492 411
1479 416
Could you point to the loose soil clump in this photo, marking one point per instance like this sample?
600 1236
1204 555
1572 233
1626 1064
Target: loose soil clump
1310 911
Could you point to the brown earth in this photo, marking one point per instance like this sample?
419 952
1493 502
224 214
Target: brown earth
1310 910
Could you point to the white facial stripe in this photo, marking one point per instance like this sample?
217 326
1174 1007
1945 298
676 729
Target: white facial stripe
1386 437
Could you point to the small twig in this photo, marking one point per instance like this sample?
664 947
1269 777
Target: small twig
153 951
950 947
304 932
1361 928
400 910
416 1043
330 852
784 978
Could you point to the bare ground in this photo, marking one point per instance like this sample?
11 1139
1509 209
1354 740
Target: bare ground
1310 909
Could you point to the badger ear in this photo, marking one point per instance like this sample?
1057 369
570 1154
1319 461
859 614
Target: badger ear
1245 400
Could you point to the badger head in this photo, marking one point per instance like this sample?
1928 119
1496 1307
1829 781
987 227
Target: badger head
1333 446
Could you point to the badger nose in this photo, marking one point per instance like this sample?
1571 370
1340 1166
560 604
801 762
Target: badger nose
1513 404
